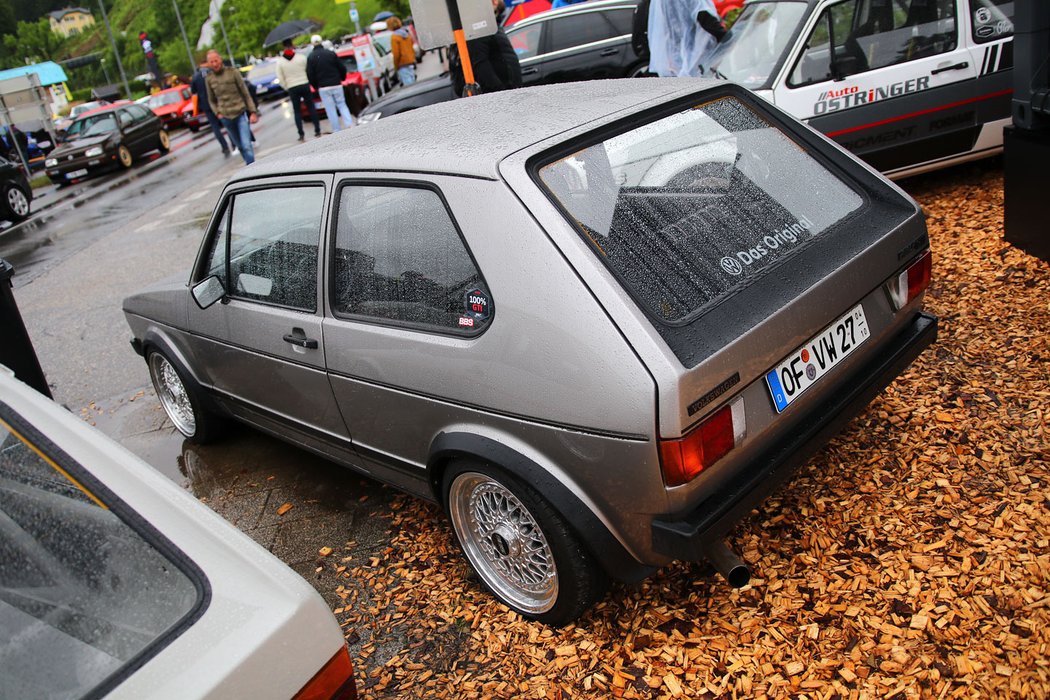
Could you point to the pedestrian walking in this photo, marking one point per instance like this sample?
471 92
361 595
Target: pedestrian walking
681 36
325 72
291 74
232 104
404 51
198 87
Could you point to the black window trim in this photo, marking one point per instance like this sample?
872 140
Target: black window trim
329 287
142 527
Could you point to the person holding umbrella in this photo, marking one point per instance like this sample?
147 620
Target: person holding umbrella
291 74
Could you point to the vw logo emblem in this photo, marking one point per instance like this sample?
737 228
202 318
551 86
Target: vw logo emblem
731 266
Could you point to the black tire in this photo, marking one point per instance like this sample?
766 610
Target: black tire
498 520
181 402
16 203
639 70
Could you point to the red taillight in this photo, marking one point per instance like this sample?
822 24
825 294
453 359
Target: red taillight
683 459
333 682
911 283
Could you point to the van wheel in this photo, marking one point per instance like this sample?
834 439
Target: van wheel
16 202
164 141
181 403
520 547
124 156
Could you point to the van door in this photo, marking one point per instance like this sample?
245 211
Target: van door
891 80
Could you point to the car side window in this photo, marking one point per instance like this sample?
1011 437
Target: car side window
399 258
139 112
266 246
579 29
125 118
991 19
526 41
860 35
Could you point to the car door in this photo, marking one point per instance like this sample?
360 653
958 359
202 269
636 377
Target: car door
262 348
584 45
891 80
138 129
527 41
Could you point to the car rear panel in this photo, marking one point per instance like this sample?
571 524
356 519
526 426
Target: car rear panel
717 345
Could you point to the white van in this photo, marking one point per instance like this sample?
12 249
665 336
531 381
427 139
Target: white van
907 85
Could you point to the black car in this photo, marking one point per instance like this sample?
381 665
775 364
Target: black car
585 41
111 136
17 194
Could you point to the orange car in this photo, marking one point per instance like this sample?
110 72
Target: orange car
176 106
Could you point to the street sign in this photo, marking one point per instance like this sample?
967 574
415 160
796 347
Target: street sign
434 26
354 16
364 55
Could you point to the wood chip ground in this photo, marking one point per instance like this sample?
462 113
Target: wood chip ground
909 559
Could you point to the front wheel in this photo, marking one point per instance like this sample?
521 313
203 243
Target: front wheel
181 404
17 203
520 547
124 156
164 142
639 70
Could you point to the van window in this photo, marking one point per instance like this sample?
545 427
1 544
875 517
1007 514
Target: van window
860 35
689 208
991 19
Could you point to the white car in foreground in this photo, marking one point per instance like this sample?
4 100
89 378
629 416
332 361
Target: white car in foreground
116 583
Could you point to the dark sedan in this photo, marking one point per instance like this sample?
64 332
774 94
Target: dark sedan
113 136
580 42
15 190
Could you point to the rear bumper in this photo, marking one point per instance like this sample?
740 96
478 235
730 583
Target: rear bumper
690 537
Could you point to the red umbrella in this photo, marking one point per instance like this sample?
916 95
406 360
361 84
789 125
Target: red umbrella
526 9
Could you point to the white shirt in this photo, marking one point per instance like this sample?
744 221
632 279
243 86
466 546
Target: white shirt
291 73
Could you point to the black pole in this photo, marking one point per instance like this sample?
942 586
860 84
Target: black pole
16 351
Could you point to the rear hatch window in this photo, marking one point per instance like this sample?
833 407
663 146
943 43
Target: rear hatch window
689 208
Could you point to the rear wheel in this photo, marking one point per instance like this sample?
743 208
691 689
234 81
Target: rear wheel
639 70
124 156
180 402
164 141
16 202
521 548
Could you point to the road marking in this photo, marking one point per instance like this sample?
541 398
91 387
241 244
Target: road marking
176 209
195 195
144 228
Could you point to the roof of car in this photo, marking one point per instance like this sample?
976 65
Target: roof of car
104 108
471 136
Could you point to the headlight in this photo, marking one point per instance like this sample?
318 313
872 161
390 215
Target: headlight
93 152
50 162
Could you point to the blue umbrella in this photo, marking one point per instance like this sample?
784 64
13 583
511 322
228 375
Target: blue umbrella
380 16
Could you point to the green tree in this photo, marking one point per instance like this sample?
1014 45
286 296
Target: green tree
33 41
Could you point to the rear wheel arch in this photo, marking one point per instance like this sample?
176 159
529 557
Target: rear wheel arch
606 550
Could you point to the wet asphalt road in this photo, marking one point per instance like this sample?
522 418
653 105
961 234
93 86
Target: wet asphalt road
88 246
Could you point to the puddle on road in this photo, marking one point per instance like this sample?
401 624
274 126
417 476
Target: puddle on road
240 462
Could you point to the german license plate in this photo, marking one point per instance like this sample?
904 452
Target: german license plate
803 368
74 174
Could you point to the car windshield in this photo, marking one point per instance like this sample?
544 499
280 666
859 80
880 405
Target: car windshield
349 62
262 72
165 98
756 42
94 125
84 592
693 206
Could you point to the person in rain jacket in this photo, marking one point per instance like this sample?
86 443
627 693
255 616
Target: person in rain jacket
682 34
404 51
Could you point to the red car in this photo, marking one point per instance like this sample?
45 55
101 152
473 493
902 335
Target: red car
170 104
353 77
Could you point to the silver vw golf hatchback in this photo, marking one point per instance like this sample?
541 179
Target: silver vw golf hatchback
598 323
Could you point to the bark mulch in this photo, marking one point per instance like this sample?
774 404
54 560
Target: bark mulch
910 558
